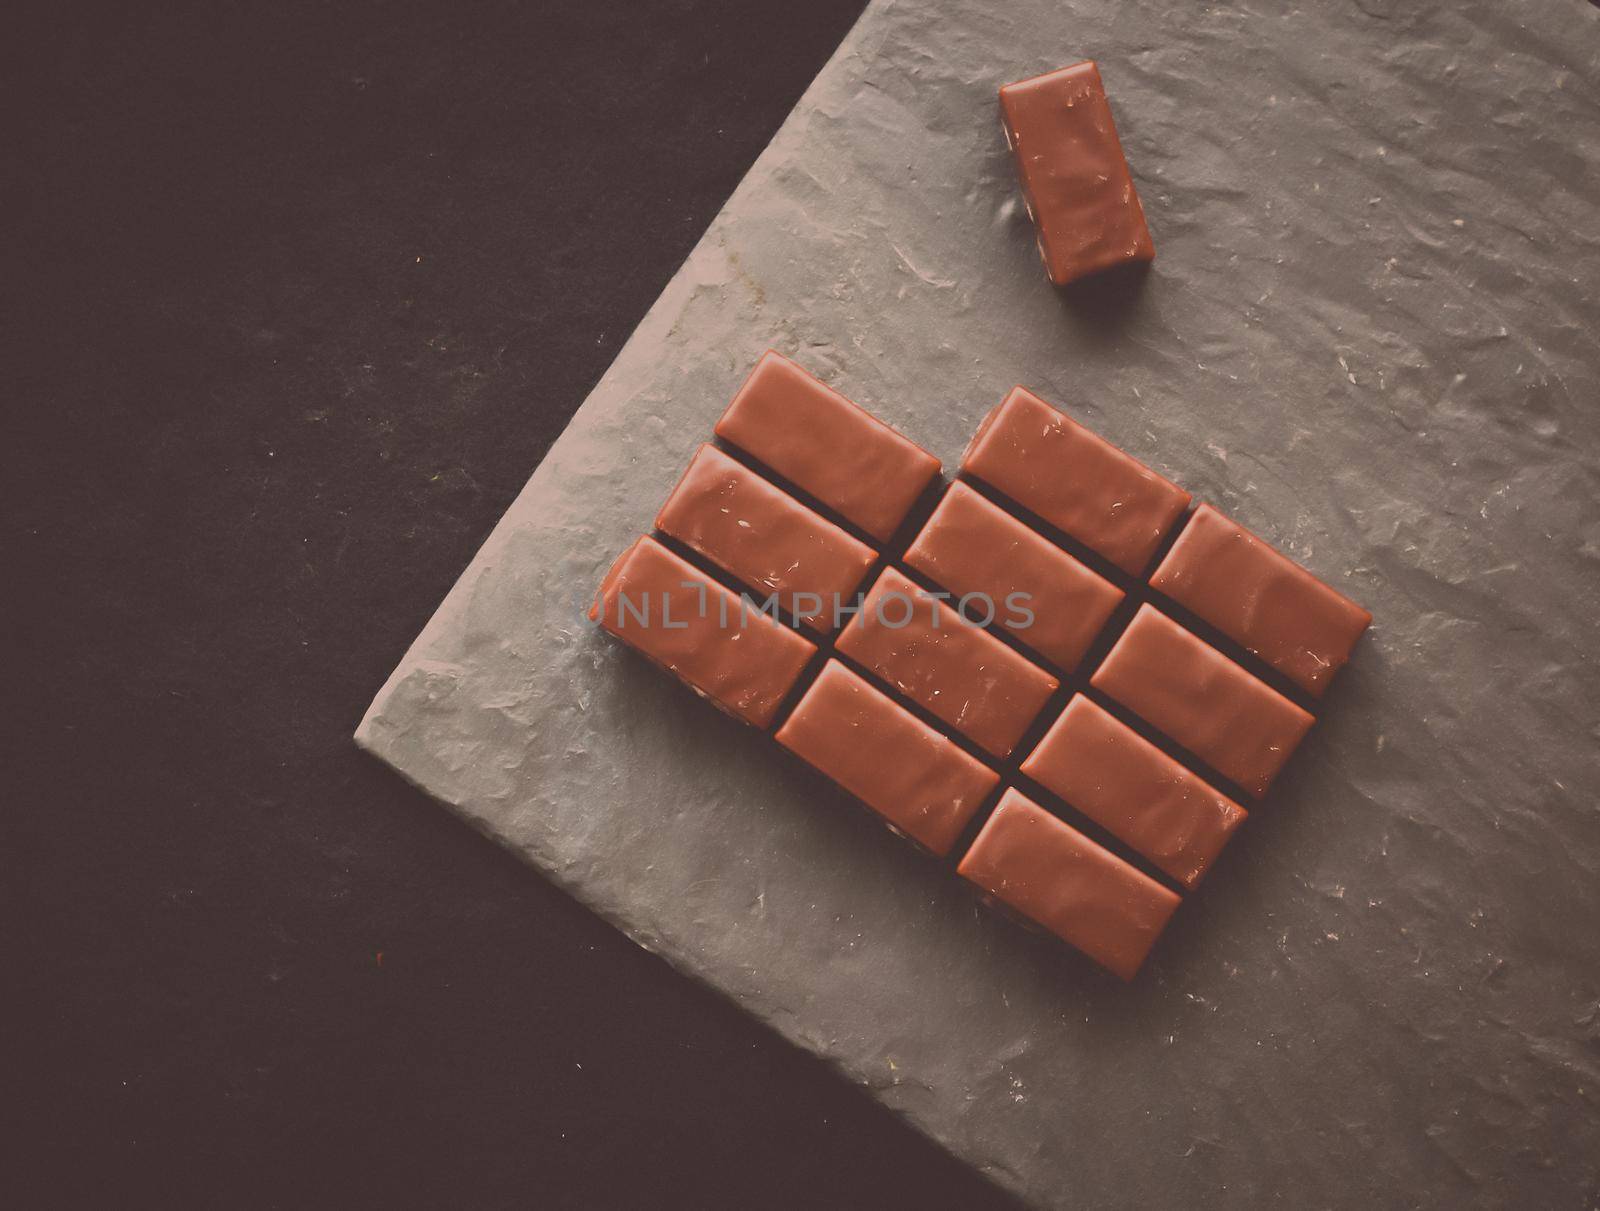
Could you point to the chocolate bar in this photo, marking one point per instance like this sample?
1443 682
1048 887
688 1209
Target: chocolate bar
1075 480
918 780
1074 176
1261 599
1185 688
765 538
1052 874
817 439
709 637
948 666
1134 791
1020 583
972 546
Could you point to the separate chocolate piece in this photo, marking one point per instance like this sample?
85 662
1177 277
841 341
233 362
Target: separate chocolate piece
1261 599
1181 685
1077 481
954 669
810 434
1055 876
1136 792
918 780
1074 176
718 644
764 537
972 546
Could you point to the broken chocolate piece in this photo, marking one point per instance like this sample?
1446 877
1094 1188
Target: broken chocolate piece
711 638
1134 791
972 546
813 436
1182 686
1074 176
1261 599
1075 480
1052 874
951 667
918 780
765 538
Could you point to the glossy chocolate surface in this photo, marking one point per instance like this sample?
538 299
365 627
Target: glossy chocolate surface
1261 599
924 785
839 453
763 537
693 627
1182 686
1055 876
1074 479
1073 173
1136 792
971 545
954 669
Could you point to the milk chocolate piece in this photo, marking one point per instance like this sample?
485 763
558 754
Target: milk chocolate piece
1132 789
920 781
952 668
690 625
1055 876
1077 481
764 537
1073 173
810 434
1181 685
1261 599
972 546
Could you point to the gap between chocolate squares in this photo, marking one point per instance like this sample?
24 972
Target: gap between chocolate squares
1140 586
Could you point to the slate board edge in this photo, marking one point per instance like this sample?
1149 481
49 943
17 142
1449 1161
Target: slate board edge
371 737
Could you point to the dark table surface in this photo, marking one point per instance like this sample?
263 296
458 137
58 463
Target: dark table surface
306 292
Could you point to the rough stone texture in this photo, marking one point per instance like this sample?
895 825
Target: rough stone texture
1369 336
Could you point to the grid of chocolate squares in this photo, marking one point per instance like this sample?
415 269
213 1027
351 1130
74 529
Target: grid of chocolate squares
1009 688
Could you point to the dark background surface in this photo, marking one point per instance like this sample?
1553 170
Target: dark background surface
301 295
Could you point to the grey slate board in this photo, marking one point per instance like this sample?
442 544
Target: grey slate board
1370 335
